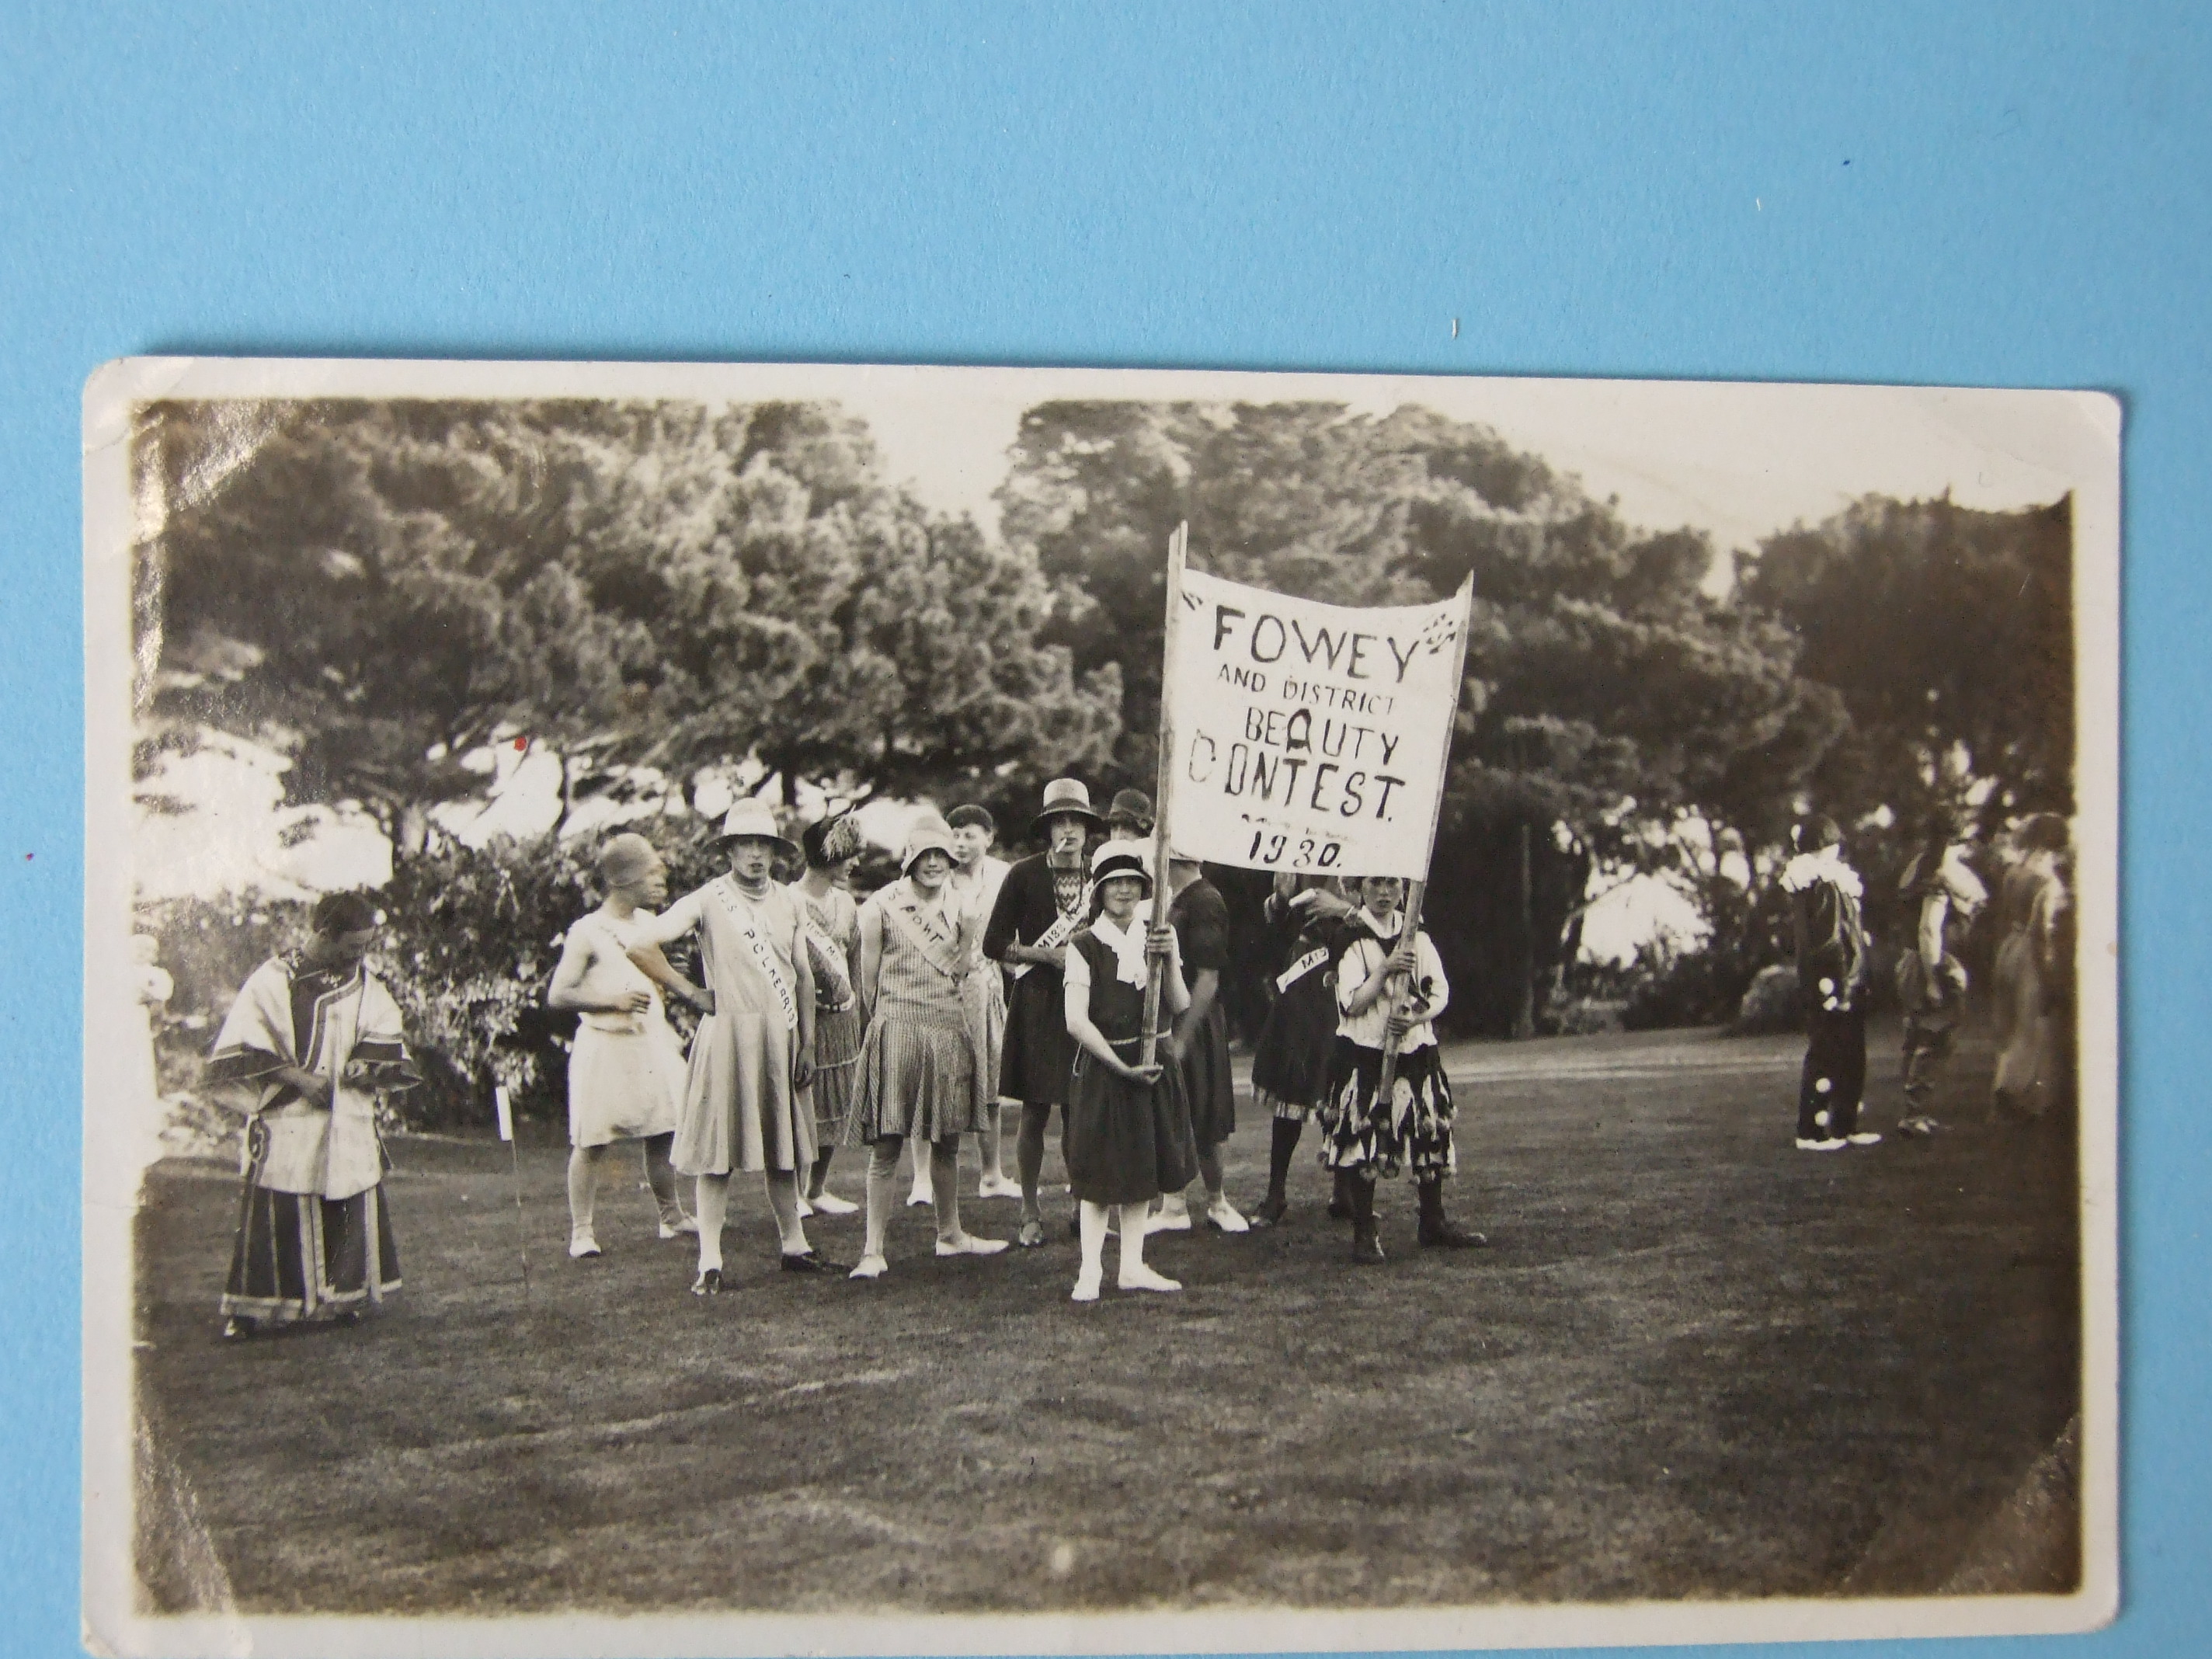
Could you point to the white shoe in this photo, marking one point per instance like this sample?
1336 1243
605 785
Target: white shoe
1086 1288
998 1187
1805 1146
581 1245
687 1228
1222 1214
871 1266
1170 1221
1147 1279
968 1244
828 1203
1864 1137
805 1206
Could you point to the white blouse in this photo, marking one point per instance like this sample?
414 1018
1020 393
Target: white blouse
1359 964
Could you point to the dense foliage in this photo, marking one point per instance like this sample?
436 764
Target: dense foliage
664 592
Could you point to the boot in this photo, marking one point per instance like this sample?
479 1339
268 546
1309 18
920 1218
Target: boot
1439 1230
1366 1245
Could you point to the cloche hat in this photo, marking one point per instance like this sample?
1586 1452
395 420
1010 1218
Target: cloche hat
1122 858
927 834
1065 798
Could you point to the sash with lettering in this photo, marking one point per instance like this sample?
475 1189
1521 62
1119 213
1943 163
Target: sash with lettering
1316 958
904 912
830 965
763 955
1052 938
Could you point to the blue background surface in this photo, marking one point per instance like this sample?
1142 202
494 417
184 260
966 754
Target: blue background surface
2006 195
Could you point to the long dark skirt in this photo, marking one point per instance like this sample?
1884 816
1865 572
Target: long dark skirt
1206 1083
1414 1127
300 1256
1127 1143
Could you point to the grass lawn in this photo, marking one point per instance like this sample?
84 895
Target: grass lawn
1696 1363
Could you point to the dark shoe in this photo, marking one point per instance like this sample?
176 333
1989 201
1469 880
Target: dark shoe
1367 1249
239 1328
811 1262
346 1316
1445 1235
1271 1212
1339 1210
709 1283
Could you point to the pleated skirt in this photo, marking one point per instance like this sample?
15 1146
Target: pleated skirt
917 1078
1127 1142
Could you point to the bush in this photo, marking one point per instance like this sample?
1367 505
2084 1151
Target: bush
1769 1004
472 936
1695 988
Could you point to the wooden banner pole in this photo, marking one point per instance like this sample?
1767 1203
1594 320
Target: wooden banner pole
1164 786
1419 890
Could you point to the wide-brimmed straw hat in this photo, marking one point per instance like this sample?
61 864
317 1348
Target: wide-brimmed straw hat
1122 858
753 817
1065 798
927 834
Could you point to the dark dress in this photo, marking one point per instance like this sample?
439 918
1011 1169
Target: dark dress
1035 1063
1127 1142
1200 916
1290 1062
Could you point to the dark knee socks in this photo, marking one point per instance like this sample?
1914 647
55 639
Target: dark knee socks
1280 1152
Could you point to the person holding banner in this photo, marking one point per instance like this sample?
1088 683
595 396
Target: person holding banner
1040 906
1128 1123
315 1036
1290 1061
626 1069
832 847
744 1108
1391 985
1199 917
974 885
919 1078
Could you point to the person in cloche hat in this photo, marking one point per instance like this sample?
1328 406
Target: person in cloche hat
1040 906
754 1053
1129 815
1128 1124
919 1079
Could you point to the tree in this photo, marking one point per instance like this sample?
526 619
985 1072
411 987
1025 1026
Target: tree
379 589
1608 696
1948 635
375 588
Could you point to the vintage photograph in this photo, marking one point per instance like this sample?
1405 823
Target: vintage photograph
768 1009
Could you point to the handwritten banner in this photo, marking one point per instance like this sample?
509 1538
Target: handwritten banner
1309 737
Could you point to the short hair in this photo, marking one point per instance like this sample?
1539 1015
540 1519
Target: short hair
1813 832
961 817
343 912
2044 832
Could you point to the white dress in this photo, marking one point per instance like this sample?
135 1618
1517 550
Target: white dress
625 1071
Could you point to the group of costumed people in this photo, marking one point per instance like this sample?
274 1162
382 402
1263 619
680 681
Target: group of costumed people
966 989
2032 974
969 987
